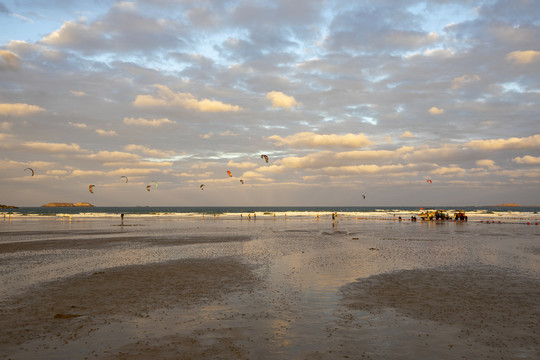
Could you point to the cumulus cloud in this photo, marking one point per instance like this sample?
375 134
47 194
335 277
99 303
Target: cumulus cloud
451 170
145 122
9 60
207 135
527 160
464 80
19 109
310 139
78 125
228 133
531 142
436 111
487 163
523 57
280 100
166 97
148 151
406 135
52 147
105 155
241 165
102 132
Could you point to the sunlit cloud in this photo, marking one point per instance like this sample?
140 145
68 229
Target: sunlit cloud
52 147
207 135
280 100
523 57
452 170
145 122
148 151
167 97
78 93
310 139
5 125
85 173
9 60
436 111
487 163
527 160
102 132
464 80
531 142
241 165
407 135
19 109
111 156
78 125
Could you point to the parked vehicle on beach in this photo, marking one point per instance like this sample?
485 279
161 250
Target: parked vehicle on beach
434 215
460 215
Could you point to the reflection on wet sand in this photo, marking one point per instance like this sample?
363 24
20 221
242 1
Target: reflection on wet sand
267 290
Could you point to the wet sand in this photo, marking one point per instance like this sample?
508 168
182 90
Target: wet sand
271 290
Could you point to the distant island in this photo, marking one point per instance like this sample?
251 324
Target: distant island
58 204
2 206
507 205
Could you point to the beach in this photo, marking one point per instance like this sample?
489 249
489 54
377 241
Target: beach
268 288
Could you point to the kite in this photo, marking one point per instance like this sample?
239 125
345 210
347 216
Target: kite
202 186
148 187
91 189
228 172
242 181
125 177
265 157
429 181
363 196
32 170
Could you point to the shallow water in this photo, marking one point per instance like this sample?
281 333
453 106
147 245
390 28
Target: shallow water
297 310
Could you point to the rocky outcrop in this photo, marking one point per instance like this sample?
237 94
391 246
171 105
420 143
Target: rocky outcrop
58 204
7 207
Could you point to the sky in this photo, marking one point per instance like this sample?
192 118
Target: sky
346 98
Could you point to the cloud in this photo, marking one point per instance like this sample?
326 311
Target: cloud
109 156
527 160
523 57
280 100
78 125
228 133
242 165
531 142
310 139
207 135
19 109
78 93
449 170
166 97
9 60
144 122
148 151
406 135
486 163
436 111
5 125
464 80
52 147
102 132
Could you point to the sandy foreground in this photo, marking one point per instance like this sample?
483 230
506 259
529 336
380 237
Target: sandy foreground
224 290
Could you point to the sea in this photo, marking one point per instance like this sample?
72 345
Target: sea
480 213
